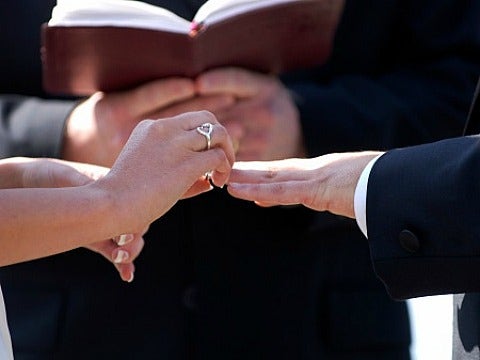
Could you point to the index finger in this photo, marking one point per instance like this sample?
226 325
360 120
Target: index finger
149 97
270 171
271 194
238 82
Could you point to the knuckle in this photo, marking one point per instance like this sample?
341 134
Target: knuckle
147 126
146 123
279 189
208 116
271 174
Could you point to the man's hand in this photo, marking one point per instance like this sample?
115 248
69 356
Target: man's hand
99 127
325 183
264 122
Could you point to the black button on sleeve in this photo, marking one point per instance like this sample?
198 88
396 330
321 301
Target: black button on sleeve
409 241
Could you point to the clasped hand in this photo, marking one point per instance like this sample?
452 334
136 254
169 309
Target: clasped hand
257 111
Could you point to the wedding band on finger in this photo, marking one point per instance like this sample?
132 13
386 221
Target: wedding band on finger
206 130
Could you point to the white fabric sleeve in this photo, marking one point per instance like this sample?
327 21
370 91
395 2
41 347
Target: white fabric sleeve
360 197
6 351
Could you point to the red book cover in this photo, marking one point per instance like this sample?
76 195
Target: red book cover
280 36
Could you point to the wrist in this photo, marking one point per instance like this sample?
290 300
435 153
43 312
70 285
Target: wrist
343 179
360 196
116 205
107 214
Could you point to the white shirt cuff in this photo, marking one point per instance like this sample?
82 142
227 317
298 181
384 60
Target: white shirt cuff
360 197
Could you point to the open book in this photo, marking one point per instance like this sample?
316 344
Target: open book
91 45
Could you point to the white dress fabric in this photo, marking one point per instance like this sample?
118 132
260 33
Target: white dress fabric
6 352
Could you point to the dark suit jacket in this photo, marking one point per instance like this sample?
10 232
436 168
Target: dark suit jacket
281 283
424 228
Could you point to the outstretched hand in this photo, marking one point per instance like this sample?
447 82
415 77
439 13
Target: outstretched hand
325 183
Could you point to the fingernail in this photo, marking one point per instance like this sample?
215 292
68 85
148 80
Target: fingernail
122 255
124 239
131 278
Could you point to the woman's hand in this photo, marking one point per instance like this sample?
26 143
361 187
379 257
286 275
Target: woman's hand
163 161
121 251
52 173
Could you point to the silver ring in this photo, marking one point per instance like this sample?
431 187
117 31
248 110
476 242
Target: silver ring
206 130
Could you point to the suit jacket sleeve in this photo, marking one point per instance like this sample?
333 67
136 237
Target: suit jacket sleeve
423 218
401 74
31 126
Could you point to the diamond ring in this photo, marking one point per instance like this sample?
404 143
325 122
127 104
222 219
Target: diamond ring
206 130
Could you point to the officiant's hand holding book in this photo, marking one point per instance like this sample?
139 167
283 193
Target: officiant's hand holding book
91 45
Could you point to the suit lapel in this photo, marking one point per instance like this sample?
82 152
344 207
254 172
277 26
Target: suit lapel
473 122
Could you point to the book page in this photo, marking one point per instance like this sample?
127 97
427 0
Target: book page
217 10
137 14
117 13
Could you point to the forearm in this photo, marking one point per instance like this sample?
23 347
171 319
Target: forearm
41 222
36 222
